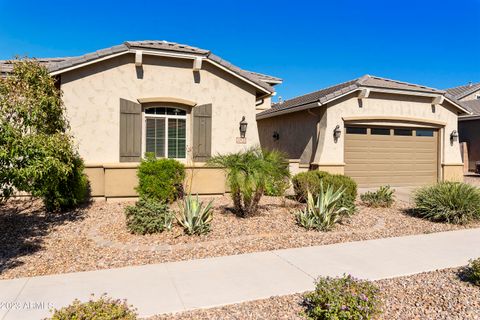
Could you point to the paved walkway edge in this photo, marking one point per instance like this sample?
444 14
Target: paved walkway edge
204 283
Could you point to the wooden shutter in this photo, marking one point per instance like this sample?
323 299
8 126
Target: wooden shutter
202 132
130 131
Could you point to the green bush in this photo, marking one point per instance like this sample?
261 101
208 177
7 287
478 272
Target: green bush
276 187
247 175
160 179
383 197
323 213
194 217
344 298
148 216
452 202
70 191
102 309
472 272
37 152
311 181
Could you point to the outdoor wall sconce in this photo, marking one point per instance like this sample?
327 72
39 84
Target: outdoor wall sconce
243 127
276 135
337 133
454 136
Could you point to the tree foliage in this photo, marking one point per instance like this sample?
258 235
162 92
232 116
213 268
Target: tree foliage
37 154
248 173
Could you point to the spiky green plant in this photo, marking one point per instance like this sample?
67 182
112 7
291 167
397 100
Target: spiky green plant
452 202
194 217
247 175
383 197
323 213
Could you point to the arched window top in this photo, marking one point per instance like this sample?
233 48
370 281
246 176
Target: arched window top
166 111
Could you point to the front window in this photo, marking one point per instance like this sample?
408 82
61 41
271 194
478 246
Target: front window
165 133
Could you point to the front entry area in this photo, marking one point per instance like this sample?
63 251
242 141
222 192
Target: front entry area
395 156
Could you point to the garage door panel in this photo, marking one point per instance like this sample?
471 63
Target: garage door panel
374 160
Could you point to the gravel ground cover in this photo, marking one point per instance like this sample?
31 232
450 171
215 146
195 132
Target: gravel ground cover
431 295
33 243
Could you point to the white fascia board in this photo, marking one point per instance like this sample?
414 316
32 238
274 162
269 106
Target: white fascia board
54 73
238 76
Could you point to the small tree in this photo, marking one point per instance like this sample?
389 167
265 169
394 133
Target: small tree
248 173
36 152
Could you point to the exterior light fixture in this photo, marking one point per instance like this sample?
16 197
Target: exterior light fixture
454 136
337 133
276 135
243 127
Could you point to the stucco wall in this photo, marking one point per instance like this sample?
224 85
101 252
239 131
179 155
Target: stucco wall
469 132
91 95
297 132
471 96
387 105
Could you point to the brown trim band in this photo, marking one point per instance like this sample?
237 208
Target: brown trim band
395 118
168 100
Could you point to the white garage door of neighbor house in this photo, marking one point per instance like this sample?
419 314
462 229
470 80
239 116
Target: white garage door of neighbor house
376 156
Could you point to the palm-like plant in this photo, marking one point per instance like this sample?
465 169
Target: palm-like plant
194 217
323 213
247 175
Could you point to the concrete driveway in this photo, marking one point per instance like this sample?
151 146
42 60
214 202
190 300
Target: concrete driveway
401 193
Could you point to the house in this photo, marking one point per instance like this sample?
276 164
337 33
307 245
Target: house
469 125
174 100
376 130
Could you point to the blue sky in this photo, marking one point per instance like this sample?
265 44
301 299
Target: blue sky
310 44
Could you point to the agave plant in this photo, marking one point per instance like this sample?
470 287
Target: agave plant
323 213
194 217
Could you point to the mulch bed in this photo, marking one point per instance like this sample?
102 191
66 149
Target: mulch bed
430 295
34 243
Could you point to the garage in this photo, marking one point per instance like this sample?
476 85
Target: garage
395 156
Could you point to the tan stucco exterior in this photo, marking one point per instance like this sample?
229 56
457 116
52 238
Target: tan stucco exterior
301 127
91 95
119 180
469 130
471 96
297 134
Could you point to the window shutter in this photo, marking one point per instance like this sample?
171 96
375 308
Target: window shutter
202 132
130 131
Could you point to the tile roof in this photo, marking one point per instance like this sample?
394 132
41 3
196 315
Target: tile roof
59 64
462 91
327 94
265 77
473 106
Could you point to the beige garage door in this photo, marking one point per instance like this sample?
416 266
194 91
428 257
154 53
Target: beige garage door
377 156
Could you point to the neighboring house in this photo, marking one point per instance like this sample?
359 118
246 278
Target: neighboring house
376 130
469 125
174 100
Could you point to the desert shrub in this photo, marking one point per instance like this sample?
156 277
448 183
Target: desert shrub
69 191
324 211
452 202
160 179
194 217
342 298
102 309
472 272
276 187
37 153
148 216
247 175
311 181
383 197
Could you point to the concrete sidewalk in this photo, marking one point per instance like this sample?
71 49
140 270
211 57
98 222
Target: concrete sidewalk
178 286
